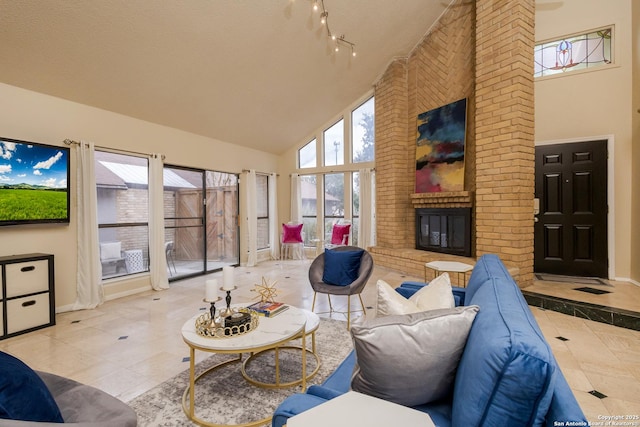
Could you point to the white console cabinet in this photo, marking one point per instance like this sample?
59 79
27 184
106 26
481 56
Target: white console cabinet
27 298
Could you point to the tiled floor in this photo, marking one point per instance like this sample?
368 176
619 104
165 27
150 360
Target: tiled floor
623 295
616 303
596 356
127 346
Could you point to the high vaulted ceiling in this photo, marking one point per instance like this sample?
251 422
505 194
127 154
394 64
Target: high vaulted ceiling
258 73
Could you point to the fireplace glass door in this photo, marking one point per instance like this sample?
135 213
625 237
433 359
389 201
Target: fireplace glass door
444 230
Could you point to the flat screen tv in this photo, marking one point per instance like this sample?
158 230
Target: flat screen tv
34 183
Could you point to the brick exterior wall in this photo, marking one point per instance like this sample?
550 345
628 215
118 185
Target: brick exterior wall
133 206
481 51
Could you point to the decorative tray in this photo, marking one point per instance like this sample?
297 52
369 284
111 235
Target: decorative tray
240 322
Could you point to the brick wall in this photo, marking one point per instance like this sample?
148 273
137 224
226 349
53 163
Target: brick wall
482 51
393 184
504 132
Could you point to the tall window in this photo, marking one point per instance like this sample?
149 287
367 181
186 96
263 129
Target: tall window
343 153
573 53
334 144
355 210
307 155
333 200
262 210
308 190
363 133
122 183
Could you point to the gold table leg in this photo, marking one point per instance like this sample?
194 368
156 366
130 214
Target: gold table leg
192 381
304 360
278 382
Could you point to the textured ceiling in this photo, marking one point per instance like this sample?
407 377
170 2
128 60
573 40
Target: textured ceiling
258 73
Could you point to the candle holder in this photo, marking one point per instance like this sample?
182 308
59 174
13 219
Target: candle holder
227 311
212 309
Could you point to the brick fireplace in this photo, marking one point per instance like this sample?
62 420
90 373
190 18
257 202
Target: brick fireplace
480 51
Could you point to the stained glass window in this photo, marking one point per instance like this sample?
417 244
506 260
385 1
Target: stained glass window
573 53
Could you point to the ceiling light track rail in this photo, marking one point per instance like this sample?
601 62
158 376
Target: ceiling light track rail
338 40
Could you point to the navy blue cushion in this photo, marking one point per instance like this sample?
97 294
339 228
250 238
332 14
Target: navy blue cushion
23 395
341 267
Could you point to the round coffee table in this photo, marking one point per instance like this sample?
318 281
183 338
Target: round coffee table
313 322
271 333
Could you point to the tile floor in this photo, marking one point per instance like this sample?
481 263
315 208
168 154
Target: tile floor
129 345
621 295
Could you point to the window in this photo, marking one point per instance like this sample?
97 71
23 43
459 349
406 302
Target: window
345 147
363 133
308 190
334 144
262 210
573 53
123 208
307 155
333 200
355 210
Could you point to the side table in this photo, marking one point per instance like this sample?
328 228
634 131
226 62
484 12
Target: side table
450 267
357 409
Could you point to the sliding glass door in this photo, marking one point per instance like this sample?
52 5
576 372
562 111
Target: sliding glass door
223 243
201 229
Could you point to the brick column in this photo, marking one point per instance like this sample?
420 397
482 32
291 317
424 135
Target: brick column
392 151
505 132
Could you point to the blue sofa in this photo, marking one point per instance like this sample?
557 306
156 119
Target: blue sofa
507 375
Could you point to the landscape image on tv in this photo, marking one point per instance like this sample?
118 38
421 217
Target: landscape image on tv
34 184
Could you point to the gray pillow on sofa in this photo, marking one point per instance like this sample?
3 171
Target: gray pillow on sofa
410 359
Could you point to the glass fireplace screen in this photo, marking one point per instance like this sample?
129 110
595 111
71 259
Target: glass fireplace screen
445 230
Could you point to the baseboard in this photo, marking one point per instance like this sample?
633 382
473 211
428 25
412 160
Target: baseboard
626 279
127 293
64 308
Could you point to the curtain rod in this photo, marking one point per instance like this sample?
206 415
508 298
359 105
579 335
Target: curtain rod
331 171
262 173
71 141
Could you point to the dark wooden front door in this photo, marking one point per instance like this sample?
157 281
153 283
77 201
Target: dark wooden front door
571 227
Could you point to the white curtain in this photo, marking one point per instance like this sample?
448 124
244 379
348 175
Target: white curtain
274 230
252 219
366 229
157 253
296 198
89 274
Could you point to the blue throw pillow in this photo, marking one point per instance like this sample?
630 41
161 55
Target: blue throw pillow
341 267
23 394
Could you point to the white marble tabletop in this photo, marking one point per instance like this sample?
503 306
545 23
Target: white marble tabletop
451 266
270 331
356 409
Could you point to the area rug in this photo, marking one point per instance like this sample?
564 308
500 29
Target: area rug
225 397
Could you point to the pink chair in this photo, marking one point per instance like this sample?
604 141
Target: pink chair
291 240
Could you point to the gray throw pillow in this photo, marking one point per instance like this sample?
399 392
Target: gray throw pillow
410 359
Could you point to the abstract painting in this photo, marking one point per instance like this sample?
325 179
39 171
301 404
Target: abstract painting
440 148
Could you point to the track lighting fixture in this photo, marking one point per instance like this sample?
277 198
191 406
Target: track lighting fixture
324 20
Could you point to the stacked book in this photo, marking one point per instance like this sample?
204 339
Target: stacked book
267 308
